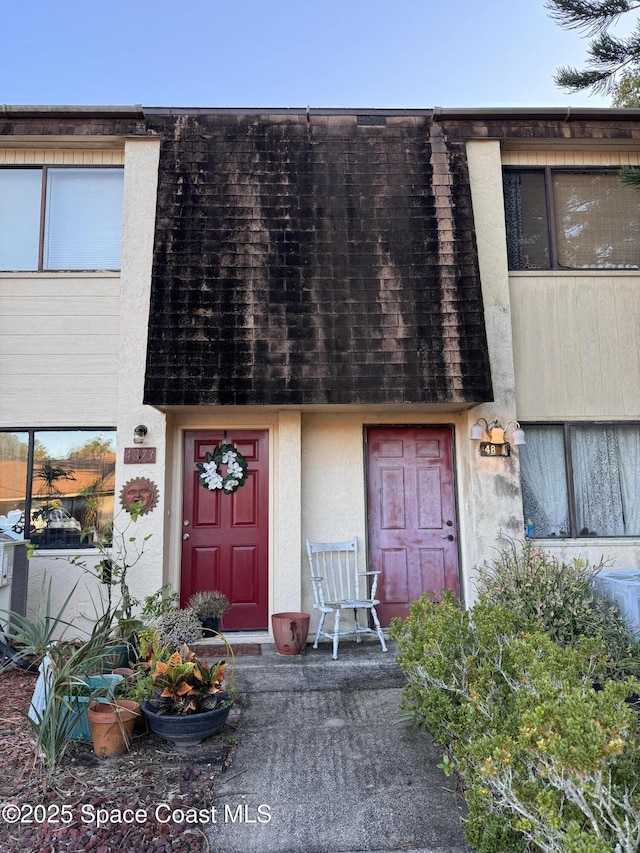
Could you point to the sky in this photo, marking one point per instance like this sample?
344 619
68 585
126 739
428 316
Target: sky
287 53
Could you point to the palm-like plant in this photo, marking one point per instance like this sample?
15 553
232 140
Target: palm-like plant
50 474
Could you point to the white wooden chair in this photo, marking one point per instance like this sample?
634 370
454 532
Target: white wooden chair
336 587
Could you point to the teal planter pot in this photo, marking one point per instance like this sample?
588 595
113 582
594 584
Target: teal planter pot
78 704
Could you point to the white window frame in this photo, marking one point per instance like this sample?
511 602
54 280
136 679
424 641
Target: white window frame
113 227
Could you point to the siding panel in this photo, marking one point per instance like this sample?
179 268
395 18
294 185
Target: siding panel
593 159
60 157
576 345
59 349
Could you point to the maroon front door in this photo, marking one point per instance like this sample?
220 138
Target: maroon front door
225 536
411 514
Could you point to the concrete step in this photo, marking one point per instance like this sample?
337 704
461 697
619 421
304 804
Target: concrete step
359 666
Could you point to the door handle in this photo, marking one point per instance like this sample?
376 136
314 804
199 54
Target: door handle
186 536
449 537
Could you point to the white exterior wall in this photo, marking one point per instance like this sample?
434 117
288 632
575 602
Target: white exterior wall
138 227
491 487
89 310
59 335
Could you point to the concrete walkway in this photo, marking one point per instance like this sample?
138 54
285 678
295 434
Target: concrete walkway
322 765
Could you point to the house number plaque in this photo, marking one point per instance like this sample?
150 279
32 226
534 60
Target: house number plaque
489 449
139 455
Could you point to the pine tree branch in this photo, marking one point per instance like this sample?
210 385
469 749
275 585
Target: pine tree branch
592 16
630 176
574 80
608 56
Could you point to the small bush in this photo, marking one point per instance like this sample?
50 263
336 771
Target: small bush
179 627
548 763
209 604
559 596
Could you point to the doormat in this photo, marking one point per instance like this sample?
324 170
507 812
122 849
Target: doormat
211 650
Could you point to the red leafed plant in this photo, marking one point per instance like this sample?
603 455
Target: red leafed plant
187 685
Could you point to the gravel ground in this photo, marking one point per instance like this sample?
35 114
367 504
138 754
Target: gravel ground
150 800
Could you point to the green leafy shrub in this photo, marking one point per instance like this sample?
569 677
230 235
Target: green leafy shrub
548 763
559 596
139 688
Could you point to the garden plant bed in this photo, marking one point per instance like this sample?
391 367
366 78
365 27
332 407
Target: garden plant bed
149 775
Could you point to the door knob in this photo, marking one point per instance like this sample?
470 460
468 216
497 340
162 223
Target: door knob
449 537
186 536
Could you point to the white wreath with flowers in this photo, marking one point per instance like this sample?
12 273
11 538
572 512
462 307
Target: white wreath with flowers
209 470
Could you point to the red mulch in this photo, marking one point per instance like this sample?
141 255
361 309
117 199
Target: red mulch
149 774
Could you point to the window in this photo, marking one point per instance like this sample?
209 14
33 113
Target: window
60 218
582 479
571 219
62 481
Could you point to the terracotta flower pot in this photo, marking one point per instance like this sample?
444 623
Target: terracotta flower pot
79 705
290 632
111 726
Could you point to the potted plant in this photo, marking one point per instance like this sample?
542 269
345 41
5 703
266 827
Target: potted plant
83 691
58 699
111 725
209 606
190 702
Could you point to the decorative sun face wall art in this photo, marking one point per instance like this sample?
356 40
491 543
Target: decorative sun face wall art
139 490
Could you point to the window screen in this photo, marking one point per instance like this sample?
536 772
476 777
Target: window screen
571 219
596 220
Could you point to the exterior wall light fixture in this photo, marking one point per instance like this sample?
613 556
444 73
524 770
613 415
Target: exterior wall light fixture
492 437
139 434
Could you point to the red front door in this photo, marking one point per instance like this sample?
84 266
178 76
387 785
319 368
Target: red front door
411 514
225 536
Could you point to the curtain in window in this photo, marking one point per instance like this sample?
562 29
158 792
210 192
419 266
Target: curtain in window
544 486
526 219
513 215
629 462
597 221
596 480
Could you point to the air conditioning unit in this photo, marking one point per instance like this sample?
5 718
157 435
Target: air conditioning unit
7 548
623 588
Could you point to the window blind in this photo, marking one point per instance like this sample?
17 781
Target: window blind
83 221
